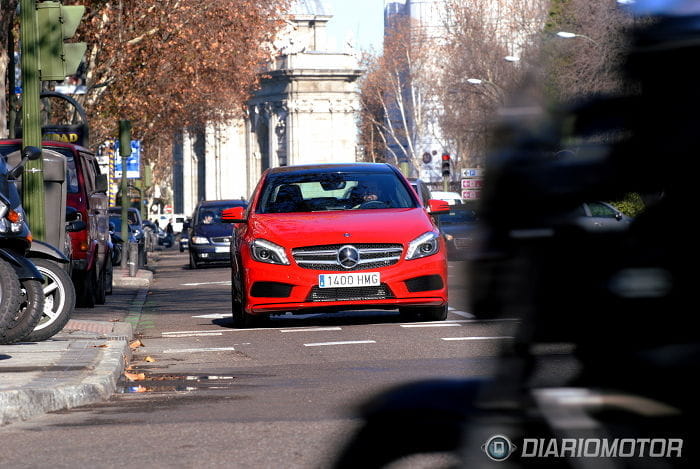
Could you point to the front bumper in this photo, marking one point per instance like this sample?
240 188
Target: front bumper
210 253
419 282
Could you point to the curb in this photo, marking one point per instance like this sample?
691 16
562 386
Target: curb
98 349
23 404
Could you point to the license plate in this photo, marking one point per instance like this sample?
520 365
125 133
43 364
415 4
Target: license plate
355 279
222 249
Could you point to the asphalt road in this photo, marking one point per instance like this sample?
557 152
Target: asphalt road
279 396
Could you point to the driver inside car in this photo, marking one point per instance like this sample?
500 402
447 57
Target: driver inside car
364 192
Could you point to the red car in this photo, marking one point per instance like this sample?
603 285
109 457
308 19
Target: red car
336 237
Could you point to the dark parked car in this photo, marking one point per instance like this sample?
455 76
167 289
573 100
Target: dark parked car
209 239
600 216
136 227
459 228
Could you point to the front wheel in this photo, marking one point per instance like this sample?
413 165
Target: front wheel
29 314
10 293
59 300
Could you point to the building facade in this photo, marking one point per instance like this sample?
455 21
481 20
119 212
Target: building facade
304 112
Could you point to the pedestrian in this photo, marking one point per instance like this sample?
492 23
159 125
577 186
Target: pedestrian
169 232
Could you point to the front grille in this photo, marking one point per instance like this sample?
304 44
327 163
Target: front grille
381 292
221 240
372 256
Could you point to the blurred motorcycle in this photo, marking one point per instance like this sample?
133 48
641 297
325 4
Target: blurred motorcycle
619 300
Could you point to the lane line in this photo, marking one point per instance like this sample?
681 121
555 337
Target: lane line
437 324
477 338
462 313
196 350
347 342
193 334
227 282
312 329
213 316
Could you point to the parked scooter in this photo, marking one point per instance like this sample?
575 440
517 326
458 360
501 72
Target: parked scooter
21 294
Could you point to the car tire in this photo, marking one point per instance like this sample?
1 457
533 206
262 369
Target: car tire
241 319
109 276
182 249
437 313
86 286
100 288
59 300
193 263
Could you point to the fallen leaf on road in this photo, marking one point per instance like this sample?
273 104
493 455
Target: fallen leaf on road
135 344
100 346
135 376
149 359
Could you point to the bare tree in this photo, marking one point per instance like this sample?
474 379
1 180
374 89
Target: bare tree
476 77
397 94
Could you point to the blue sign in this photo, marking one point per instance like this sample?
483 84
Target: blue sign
133 162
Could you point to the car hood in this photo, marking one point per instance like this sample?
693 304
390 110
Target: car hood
359 226
459 229
212 230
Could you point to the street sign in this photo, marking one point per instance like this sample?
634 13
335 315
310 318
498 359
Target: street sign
133 161
471 194
472 183
472 172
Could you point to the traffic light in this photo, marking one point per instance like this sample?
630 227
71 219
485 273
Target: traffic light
55 23
446 165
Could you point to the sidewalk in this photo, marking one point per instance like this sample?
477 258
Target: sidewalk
80 365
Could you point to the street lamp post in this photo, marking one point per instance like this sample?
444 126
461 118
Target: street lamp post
568 35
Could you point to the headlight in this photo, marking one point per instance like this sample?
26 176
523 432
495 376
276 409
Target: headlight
425 245
200 240
270 253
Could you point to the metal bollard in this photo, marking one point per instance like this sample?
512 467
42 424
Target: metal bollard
133 258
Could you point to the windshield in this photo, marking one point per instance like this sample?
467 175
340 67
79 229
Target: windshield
211 214
325 191
459 216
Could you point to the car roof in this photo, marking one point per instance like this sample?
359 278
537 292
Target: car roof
333 167
213 203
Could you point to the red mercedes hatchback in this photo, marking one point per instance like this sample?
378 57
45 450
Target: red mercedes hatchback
336 237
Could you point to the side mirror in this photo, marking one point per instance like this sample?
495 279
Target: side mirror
31 153
77 225
101 183
618 216
436 207
72 214
112 226
28 154
233 215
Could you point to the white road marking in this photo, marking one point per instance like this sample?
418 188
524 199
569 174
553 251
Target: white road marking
437 324
462 313
227 282
213 316
196 350
312 329
188 332
347 342
193 334
476 338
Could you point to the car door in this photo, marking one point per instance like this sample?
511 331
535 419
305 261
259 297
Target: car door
603 217
98 201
